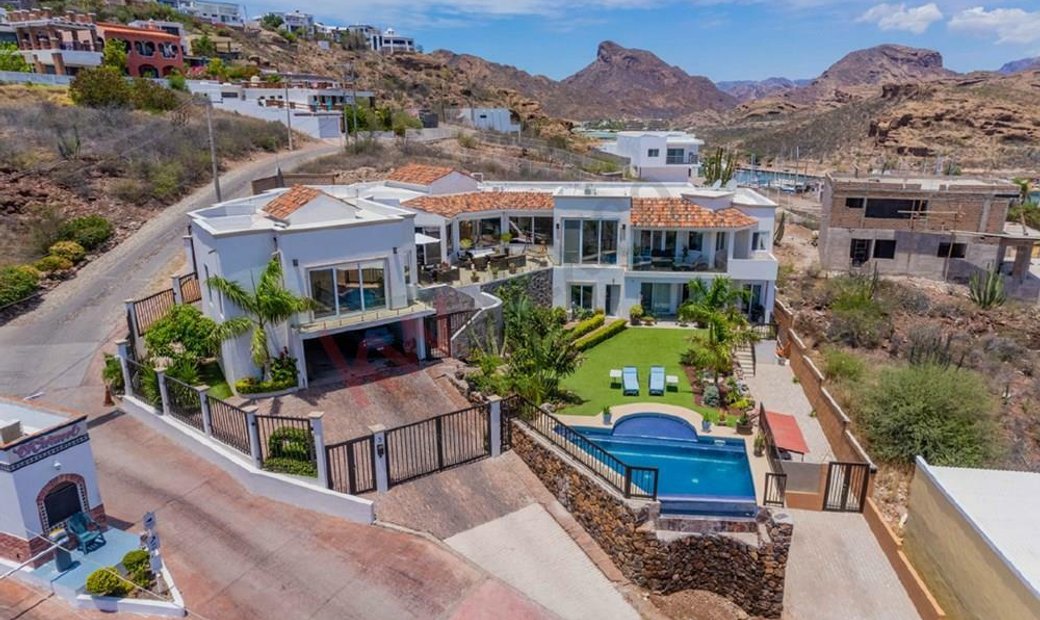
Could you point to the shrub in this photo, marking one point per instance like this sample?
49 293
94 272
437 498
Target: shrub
69 250
283 370
151 96
100 87
50 264
635 313
143 578
107 582
89 231
17 283
291 442
178 82
559 315
136 560
711 397
941 414
283 465
588 326
112 373
987 292
600 335
184 325
839 365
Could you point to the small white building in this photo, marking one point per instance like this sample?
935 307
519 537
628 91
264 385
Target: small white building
47 474
297 22
385 41
219 13
502 120
659 156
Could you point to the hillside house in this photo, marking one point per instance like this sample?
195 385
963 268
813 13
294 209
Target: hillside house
150 51
56 44
658 156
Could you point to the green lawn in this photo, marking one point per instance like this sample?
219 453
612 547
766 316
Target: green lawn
211 375
636 346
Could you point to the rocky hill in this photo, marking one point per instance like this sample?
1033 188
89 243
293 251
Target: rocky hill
748 90
1018 66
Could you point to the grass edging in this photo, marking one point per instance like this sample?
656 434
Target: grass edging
600 335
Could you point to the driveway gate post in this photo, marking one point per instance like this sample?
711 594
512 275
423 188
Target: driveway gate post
495 421
175 284
207 417
160 373
382 471
254 436
123 352
318 431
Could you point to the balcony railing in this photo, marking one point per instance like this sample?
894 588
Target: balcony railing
675 160
347 320
691 262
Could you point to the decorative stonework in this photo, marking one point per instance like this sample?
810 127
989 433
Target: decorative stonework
539 286
54 483
741 560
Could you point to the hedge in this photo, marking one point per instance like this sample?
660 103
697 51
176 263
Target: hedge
283 465
588 326
600 335
107 582
17 283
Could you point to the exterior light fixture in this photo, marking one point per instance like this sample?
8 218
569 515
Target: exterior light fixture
295 262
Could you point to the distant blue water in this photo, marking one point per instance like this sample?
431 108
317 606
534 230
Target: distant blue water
688 465
746 176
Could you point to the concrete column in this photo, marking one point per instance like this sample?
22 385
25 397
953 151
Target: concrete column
420 339
318 431
254 436
495 419
768 298
730 242
123 352
189 253
709 248
131 318
382 471
445 230
163 392
207 417
175 284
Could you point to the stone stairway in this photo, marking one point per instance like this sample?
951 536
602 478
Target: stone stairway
742 355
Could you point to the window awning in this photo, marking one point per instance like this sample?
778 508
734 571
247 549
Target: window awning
421 239
786 434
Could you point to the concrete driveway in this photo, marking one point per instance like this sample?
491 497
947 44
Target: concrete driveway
530 551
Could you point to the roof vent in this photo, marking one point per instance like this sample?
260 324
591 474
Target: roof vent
10 432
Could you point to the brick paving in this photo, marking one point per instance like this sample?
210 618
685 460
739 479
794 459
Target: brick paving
837 570
392 398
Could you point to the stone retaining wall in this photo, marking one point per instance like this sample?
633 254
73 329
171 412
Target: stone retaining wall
538 284
747 568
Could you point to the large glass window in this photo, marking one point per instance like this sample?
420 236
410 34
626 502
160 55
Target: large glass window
468 230
572 241
895 208
543 230
695 242
590 242
656 298
348 288
490 232
62 503
675 156
532 230
581 296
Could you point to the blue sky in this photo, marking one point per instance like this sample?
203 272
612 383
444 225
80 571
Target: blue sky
722 39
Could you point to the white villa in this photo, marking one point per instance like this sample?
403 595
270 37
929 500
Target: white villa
661 156
367 253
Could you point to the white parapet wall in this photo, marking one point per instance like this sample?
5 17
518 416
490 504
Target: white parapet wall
278 487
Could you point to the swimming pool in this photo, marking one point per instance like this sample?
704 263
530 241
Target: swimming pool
697 475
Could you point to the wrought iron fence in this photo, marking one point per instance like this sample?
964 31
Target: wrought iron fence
352 465
776 489
152 308
283 437
141 374
438 443
765 331
185 403
228 424
190 290
631 481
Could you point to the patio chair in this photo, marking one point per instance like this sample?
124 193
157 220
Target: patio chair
657 381
630 381
79 525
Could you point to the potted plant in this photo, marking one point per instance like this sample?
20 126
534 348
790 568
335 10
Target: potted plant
744 424
606 415
475 276
760 444
635 314
506 237
705 425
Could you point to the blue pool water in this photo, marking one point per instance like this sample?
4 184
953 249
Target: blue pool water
695 474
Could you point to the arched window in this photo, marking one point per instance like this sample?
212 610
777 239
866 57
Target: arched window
62 502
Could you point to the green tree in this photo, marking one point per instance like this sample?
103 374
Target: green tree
942 414
271 22
100 87
204 46
114 55
363 115
12 60
152 97
716 308
269 304
1025 189
540 352
217 69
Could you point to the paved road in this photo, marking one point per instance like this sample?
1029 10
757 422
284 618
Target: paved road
50 347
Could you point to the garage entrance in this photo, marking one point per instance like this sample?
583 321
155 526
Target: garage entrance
358 353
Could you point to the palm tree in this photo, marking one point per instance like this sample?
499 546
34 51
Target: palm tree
715 307
1025 189
268 305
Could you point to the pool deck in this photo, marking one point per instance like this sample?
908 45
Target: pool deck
758 464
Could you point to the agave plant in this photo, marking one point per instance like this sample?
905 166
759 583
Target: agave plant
987 292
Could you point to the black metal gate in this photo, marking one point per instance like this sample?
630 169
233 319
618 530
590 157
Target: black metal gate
776 489
438 337
846 487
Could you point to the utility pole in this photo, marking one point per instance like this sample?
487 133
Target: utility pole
353 99
213 148
288 115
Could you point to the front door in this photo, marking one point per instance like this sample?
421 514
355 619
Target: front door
613 299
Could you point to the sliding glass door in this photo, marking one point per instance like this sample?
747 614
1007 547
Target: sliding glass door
656 298
345 289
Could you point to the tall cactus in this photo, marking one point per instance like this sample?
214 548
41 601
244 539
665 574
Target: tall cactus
778 234
720 166
987 292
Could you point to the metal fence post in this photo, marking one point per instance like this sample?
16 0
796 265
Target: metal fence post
123 352
320 461
254 436
175 284
207 417
495 420
382 471
163 393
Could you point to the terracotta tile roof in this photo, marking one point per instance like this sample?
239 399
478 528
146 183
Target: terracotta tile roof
419 174
288 202
679 213
450 205
149 33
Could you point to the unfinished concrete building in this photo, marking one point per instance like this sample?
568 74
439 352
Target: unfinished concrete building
944 228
